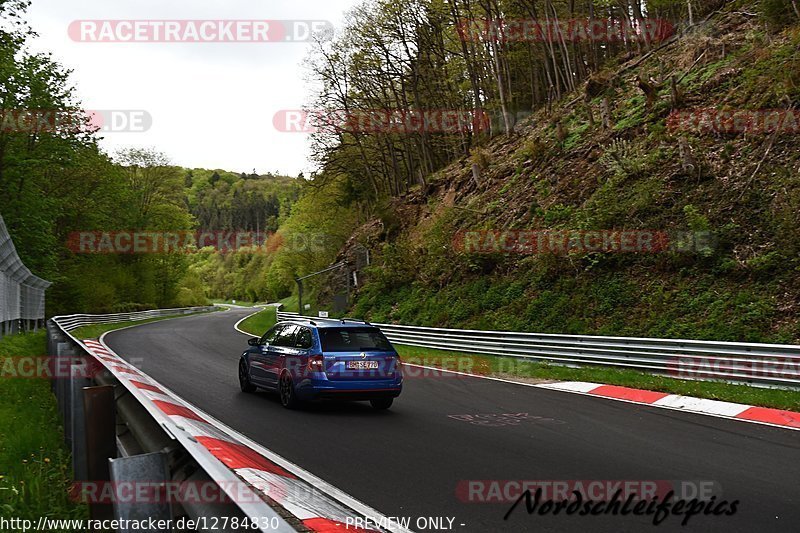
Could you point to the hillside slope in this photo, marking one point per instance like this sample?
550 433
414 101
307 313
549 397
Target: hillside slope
646 171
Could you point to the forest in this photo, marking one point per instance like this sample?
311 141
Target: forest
565 121
56 180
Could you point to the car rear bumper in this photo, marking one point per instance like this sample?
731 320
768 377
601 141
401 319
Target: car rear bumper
356 396
318 389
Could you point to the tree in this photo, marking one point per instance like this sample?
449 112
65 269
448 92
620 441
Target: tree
214 179
155 185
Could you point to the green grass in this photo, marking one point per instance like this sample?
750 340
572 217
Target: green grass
512 367
35 471
96 330
544 296
290 303
260 322
237 302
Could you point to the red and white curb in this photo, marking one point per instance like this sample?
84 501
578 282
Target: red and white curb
735 411
316 504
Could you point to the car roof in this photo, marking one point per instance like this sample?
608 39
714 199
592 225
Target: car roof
327 322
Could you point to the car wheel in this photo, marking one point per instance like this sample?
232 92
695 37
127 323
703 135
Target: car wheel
382 403
288 398
244 378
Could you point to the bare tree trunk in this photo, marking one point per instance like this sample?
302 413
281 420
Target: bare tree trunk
476 174
468 62
606 112
673 90
636 11
499 71
688 162
568 75
592 42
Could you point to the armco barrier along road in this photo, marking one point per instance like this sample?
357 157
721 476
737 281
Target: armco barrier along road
772 365
21 293
164 438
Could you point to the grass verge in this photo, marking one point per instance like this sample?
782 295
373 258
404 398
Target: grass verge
291 304
35 467
509 367
234 302
260 322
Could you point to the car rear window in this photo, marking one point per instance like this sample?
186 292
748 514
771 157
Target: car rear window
353 340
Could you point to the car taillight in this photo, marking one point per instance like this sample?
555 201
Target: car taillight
316 363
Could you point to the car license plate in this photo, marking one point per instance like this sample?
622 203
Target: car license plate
362 365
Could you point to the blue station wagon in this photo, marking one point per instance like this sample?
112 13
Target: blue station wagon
317 359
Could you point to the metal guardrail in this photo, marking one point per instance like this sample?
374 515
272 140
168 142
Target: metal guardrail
126 429
140 443
21 293
772 365
71 322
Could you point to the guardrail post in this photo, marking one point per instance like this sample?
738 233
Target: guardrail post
54 336
299 296
100 441
77 381
63 351
147 468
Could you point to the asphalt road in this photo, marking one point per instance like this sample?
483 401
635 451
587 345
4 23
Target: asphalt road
409 461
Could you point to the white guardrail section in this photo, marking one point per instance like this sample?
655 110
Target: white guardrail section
21 293
71 322
261 485
770 365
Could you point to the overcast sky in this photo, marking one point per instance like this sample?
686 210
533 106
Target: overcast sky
211 104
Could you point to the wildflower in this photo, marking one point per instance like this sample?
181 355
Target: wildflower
46 459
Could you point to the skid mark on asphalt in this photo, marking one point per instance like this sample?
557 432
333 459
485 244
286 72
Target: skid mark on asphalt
505 419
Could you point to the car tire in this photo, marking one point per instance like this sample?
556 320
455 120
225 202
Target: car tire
382 403
244 378
286 391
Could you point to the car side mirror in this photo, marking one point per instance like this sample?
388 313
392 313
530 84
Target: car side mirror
253 341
